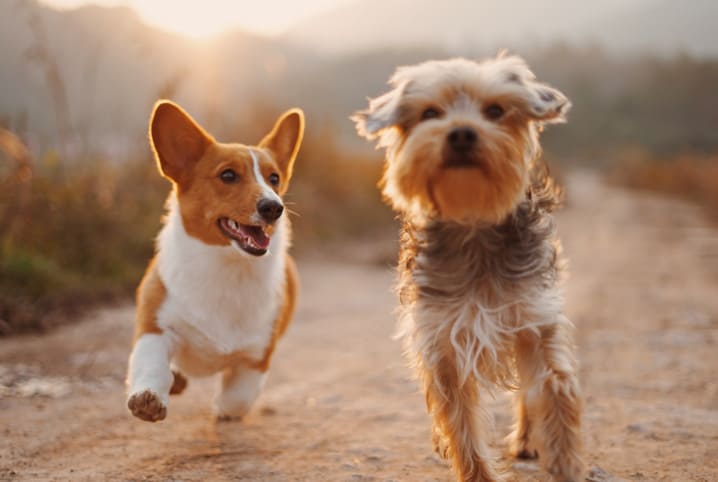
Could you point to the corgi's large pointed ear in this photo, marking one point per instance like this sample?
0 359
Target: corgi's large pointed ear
383 112
177 140
284 140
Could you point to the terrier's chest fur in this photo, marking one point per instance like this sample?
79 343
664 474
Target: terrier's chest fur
475 286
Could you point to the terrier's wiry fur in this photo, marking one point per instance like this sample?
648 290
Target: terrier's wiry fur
480 262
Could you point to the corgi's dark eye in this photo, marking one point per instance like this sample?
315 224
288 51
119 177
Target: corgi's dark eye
494 111
274 179
228 176
430 113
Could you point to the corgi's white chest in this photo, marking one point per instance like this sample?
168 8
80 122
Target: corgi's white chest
219 301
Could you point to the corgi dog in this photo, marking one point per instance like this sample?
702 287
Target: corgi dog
221 289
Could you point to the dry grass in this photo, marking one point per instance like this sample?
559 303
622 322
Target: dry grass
72 235
334 193
692 177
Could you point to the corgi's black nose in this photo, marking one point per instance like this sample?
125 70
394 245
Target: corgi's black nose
269 209
462 139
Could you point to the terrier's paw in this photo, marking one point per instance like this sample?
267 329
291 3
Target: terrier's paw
567 467
147 405
519 447
526 454
441 447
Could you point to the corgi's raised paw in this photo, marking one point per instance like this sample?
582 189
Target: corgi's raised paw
147 405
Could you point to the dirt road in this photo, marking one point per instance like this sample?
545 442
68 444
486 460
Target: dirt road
340 405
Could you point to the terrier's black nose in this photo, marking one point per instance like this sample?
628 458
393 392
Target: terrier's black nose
269 209
462 139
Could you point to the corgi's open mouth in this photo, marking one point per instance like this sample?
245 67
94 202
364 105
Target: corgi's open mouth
251 239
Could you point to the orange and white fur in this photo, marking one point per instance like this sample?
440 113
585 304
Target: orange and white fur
480 263
221 289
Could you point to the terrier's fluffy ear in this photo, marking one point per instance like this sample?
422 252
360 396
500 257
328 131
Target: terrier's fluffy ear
536 100
546 104
383 112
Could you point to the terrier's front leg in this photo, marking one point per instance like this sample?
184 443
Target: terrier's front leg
547 369
520 439
457 416
149 377
239 388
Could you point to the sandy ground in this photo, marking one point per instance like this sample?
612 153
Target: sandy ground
341 405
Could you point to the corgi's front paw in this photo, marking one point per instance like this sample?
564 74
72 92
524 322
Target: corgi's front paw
147 405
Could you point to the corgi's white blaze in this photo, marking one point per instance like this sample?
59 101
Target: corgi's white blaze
218 302
267 192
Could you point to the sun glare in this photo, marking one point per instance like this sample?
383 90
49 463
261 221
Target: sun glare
211 17
196 19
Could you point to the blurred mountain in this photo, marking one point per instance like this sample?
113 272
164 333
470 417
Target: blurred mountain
84 80
91 75
662 27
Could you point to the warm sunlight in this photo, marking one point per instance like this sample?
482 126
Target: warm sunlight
197 19
211 17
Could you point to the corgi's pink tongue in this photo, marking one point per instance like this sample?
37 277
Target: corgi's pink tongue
257 234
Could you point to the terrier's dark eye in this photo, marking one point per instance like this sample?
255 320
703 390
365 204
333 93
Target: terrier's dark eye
228 176
494 111
430 113
274 179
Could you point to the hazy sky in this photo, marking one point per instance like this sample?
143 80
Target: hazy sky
206 17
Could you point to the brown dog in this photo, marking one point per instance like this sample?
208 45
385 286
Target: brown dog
221 289
479 265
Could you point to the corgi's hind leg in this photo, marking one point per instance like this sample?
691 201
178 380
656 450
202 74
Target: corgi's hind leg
238 390
240 385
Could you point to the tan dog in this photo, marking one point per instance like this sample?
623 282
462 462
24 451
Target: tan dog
480 262
221 289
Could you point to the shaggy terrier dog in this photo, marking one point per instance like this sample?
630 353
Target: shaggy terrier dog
480 261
